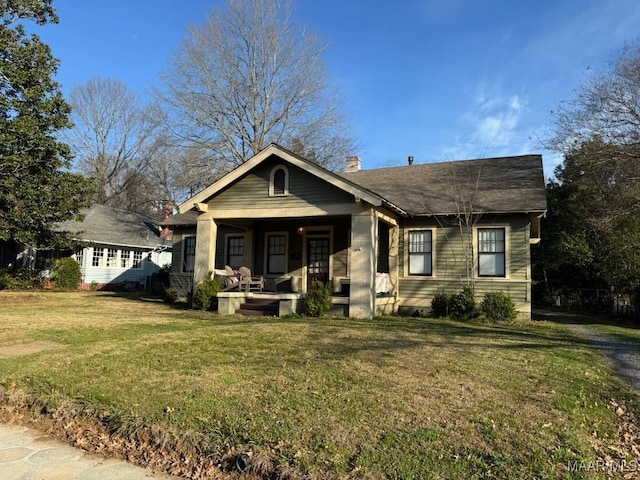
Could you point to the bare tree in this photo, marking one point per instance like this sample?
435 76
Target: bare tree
250 76
115 141
607 107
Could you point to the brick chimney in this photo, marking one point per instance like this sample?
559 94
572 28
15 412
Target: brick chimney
354 164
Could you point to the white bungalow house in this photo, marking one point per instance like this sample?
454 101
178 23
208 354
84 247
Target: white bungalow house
119 247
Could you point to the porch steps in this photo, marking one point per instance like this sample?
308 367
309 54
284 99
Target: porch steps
256 307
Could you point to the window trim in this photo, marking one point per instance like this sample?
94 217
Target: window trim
227 237
272 192
506 253
408 253
267 235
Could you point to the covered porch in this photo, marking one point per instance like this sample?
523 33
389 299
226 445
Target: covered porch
356 253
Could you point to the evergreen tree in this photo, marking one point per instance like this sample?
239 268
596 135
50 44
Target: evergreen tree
36 188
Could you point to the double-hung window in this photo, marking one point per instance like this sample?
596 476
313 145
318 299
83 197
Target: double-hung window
420 252
112 257
98 257
125 258
276 253
137 259
491 252
189 254
235 251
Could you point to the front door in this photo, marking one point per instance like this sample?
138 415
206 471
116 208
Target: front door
317 260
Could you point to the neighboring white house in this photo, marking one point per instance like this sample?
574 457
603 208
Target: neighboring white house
121 247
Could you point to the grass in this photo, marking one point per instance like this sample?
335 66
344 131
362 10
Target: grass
392 398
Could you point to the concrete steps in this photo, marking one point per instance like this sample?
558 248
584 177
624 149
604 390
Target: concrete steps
259 307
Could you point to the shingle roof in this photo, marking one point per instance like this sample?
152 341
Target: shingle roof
113 226
491 185
187 218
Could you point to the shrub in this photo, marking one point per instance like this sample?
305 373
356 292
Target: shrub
66 273
318 299
440 304
13 278
206 293
498 306
459 306
463 305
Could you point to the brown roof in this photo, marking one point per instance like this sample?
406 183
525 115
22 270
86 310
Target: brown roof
491 185
187 218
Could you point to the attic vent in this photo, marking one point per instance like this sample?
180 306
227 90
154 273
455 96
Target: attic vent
279 181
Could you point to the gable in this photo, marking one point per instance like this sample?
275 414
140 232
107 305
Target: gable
304 189
251 168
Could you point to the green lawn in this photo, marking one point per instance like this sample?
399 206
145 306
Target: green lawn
398 398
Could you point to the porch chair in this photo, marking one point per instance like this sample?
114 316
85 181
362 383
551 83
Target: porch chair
230 278
248 282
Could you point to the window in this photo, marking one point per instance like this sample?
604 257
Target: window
235 251
112 257
420 252
491 252
98 257
279 184
137 259
125 259
80 256
276 254
189 254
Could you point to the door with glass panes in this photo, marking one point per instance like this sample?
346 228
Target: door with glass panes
317 260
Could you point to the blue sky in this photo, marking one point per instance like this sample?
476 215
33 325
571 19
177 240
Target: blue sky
436 79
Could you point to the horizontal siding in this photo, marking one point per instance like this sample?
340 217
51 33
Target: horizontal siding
113 275
178 247
304 190
420 292
150 264
450 262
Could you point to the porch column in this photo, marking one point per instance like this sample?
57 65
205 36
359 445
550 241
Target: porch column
364 241
206 234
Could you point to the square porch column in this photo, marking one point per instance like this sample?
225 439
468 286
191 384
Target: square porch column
206 234
364 241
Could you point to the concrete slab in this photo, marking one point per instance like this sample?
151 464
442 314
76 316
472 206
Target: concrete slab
27 454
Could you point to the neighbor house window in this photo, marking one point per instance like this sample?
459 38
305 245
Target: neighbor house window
98 257
125 258
420 261
491 252
137 259
189 254
276 254
279 184
235 251
80 256
112 257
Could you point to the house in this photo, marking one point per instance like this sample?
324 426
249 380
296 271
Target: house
387 239
119 247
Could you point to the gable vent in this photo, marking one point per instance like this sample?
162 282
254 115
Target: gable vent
279 182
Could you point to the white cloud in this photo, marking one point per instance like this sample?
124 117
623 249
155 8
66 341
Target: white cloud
494 117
